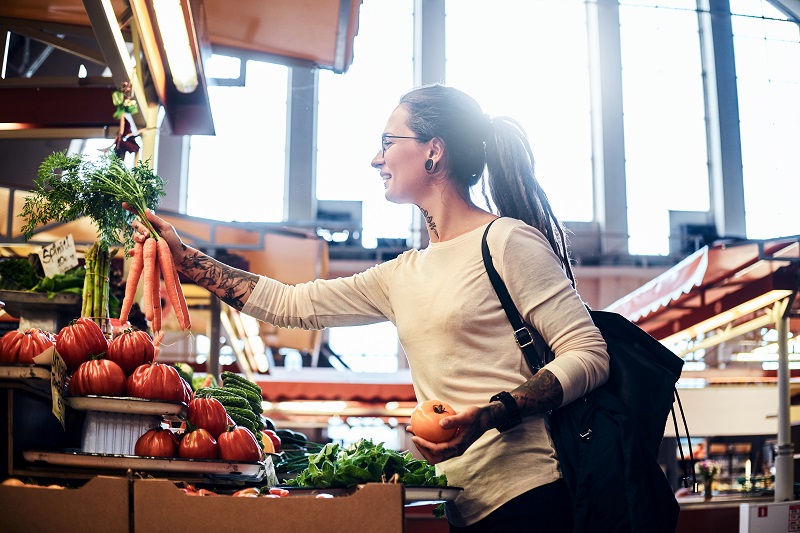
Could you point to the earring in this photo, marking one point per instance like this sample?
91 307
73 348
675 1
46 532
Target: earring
429 165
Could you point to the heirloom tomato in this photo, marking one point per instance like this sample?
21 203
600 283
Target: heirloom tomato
20 347
131 349
79 341
209 414
157 381
425 420
198 444
98 376
157 442
239 444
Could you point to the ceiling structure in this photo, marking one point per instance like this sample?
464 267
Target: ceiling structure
46 41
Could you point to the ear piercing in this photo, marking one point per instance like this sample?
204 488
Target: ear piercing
429 164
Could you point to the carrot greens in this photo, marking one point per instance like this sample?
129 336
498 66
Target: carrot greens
69 187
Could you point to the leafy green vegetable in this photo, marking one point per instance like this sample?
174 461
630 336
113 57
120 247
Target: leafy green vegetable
69 187
364 462
17 274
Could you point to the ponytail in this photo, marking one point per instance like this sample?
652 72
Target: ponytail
516 191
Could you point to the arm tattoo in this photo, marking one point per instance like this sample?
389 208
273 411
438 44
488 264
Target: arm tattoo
231 285
430 222
539 394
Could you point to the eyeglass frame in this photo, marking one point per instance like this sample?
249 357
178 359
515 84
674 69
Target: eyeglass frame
388 136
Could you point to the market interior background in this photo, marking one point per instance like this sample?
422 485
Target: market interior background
665 135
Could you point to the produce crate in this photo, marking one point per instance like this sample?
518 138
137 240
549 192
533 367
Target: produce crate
101 505
158 505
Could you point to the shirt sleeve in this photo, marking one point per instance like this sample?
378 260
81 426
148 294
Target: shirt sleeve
544 295
349 301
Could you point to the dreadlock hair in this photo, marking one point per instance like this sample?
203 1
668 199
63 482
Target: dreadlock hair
499 147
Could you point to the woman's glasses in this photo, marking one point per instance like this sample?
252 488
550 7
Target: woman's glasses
386 142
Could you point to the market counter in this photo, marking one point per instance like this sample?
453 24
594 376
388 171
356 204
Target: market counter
720 514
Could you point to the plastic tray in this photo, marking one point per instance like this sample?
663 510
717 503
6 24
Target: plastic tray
127 405
227 469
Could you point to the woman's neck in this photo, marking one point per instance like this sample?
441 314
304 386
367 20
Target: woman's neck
452 216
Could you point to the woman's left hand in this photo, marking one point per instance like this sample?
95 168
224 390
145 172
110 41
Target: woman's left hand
472 422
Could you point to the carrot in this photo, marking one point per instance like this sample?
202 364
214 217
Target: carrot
134 274
156 324
172 284
150 276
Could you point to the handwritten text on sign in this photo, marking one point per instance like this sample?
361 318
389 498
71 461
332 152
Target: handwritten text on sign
59 256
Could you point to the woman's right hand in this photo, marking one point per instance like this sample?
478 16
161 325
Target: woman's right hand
164 229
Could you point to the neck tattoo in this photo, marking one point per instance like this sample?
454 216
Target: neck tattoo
430 222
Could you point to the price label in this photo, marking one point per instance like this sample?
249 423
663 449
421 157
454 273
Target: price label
59 256
58 376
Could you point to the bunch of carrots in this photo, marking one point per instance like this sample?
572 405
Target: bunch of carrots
152 261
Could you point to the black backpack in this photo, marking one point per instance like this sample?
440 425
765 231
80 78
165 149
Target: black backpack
607 442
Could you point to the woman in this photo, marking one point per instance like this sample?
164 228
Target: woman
452 327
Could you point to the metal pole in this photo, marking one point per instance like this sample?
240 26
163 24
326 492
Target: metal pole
784 452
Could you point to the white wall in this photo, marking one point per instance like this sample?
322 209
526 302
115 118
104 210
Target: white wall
728 410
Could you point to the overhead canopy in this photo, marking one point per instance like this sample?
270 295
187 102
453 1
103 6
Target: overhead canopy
716 278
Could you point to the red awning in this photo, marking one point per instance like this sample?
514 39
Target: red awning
327 384
713 279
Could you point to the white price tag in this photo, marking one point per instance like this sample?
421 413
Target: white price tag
58 376
59 256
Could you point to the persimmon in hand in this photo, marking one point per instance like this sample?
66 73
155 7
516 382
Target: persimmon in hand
425 421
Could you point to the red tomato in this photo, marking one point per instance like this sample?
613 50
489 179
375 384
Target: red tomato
209 414
79 341
157 442
157 381
425 421
239 444
280 492
20 347
131 349
198 444
276 440
98 376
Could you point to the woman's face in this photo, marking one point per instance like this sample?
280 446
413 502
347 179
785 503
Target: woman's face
401 161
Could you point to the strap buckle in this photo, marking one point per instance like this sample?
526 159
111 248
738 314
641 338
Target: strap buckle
523 337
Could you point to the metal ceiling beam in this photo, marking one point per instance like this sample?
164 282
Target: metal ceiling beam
118 59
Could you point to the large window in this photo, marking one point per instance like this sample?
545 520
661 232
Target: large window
353 109
666 164
529 60
767 55
238 174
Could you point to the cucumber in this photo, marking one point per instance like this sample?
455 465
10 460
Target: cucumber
249 394
237 380
243 413
226 399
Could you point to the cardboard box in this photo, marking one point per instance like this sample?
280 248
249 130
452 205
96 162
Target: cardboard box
158 505
101 505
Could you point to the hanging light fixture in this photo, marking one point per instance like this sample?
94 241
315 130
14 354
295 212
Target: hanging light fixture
174 31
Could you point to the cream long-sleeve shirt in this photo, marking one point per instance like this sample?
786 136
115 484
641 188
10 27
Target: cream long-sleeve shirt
460 345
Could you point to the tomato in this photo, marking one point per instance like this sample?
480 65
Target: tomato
79 341
249 492
98 376
198 444
131 349
283 493
157 381
276 440
425 421
20 347
209 414
157 442
239 444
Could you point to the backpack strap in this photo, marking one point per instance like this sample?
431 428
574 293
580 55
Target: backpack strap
524 334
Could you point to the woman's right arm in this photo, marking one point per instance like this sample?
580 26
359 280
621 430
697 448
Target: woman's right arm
231 285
